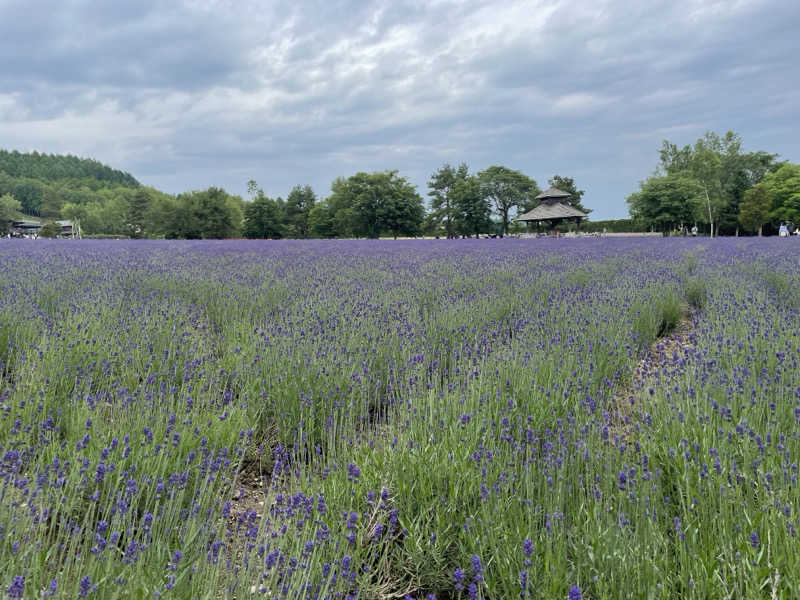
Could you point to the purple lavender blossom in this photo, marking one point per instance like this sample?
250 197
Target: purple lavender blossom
17 587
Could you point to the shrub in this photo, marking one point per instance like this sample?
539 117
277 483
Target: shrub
690 263
657 316
50 230
696 293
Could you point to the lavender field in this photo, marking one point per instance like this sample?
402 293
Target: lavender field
590 418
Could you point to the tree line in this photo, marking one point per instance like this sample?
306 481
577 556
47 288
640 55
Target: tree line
716 184
369 205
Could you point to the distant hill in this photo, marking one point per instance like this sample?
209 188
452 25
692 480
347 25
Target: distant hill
45 183
53 167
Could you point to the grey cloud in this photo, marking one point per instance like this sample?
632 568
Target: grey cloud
186 95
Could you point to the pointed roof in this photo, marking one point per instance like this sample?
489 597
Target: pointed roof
552 192
547 212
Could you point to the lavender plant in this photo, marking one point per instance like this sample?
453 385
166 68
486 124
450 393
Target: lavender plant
471 419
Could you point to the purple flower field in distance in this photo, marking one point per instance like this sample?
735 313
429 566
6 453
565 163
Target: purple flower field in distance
584 418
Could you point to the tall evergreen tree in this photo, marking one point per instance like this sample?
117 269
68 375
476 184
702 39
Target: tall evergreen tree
136 217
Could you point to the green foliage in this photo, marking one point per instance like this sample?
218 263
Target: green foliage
507 189
263 218
471 210
9 211
138 206
505 433
613 226
696 293
320 221
30 195
783 189
723 171
657 314
567 184
53 167
580 277
667 202
207 214
443 195
782 285
50 230
690 262
371 204
754 209
299 203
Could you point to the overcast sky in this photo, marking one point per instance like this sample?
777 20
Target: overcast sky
188 94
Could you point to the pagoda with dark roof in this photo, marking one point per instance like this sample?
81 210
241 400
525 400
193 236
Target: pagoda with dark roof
553 208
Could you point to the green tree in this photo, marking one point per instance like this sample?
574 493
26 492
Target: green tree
442 186
50 229
136 214
263 218
369 204
9 211
30 195
567 184
320 221
207 214
724 171
217 215
299 203
754 210
665 203
51 202
784 189
507 189
252 189
77 213
471 210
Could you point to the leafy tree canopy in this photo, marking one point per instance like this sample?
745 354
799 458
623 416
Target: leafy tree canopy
666 202
369 204
9 212
723 170
443 186
507 189
567 184
263 218
754 209
299 203
206 214
783 187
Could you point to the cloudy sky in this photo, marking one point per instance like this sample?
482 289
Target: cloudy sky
188 94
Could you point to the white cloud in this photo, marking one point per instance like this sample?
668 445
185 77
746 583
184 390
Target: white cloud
580 103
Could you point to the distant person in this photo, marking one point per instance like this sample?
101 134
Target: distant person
694 230
783 231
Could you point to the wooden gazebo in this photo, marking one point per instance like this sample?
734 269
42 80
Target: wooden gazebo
552 208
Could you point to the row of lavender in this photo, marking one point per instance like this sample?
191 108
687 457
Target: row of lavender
421 418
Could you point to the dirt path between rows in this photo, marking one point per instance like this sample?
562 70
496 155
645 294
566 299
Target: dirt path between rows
666 356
